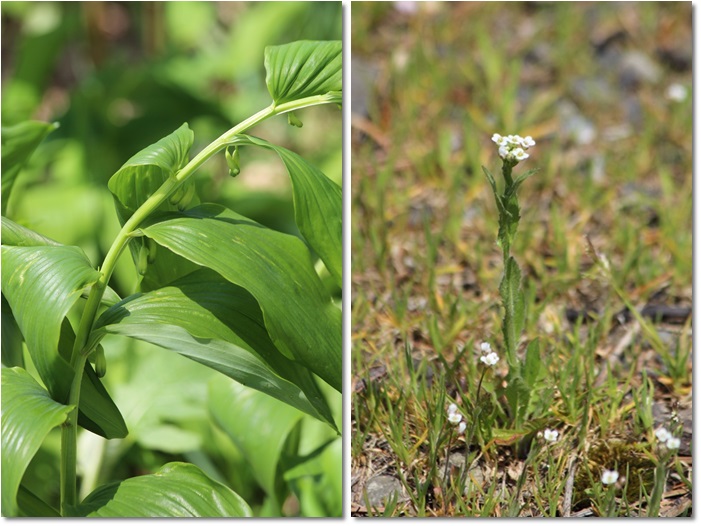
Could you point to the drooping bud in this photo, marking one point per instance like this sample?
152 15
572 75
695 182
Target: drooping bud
100 361
232 161
142 261
293 120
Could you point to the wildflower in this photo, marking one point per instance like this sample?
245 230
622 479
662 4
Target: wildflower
485 347
461 428
513 147
663 435
454 418
609 477
676 93
551 435
673 443
452 409
489 360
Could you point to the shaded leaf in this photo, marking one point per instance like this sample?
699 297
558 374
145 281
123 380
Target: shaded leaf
239 410
18 144
303 69
176 490
318 205
28 414
275 268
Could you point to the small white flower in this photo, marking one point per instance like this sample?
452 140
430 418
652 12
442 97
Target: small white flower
663 435
503 152
519 154
676 93
609 477
452 409
454 418
551 435
496 138
527 142
461 428
491 359
673 443
485 347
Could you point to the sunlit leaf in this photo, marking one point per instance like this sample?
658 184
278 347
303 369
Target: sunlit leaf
137 180
303 69
176 490
208 307
275 268
318 205
28 414
41 284
214 322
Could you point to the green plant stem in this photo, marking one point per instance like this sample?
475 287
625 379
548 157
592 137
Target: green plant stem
81 349
69 442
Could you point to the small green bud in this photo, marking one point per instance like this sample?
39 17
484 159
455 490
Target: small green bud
177 196
232 160
142 262
152 247
100 361
187 197
293 120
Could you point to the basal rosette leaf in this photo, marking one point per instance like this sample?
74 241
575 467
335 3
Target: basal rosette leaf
303 69
178 489
275 268
214 322
18 144
318 205
28 414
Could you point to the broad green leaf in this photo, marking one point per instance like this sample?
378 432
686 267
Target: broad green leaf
28 414
18 236
303 69
514 309
214 322
275 268
318 481
41 284
137 180
18 144
318 204
176 490
257 424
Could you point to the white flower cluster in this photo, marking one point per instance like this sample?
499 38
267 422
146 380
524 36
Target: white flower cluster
513 147
455 418
489 357
666 438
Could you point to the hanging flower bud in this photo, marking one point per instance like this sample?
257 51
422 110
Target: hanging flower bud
293 120
100 361
152 247
142 260
232 160
187 197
